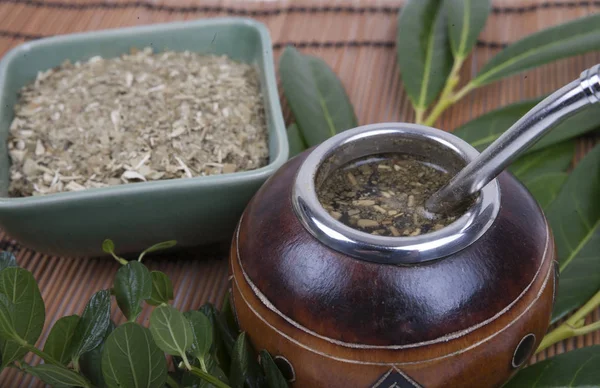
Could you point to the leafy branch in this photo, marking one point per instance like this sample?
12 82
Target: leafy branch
90 351
574 326
576 37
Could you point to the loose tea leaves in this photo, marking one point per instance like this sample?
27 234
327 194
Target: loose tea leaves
140 117
385 195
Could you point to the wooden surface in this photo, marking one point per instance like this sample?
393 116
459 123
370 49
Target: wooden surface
356 38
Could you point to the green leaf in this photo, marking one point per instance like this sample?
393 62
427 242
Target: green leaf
7 259
423 50
28 312
295 139
133 284
92 325
272 373
57 376
575 220
245 370
7 317
546 187
192 380
58 344
108 246
543 172
227 334
171 330
158 247
556 158
229 315
162 289
202 333
131 359
466 19
219 348
565 40
90 362
315 95
482 131
215 370
576 368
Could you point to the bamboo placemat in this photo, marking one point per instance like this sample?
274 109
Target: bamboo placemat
355 37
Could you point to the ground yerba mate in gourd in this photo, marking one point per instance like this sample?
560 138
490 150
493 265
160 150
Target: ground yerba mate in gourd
385 195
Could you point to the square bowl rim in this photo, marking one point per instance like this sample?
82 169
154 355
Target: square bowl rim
270 92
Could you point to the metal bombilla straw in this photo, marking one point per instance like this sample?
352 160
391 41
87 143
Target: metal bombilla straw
522 135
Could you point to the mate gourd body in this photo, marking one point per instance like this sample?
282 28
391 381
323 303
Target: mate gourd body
332 318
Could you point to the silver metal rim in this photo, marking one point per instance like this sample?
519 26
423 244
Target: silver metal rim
391 250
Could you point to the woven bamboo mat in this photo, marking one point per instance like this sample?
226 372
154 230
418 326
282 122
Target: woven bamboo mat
356 38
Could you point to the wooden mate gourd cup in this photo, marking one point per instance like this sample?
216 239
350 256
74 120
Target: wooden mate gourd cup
463 306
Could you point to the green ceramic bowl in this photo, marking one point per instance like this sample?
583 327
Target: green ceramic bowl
192 211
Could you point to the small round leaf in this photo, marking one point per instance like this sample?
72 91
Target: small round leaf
171 330
202 331
162 289
58 344
131 359
133 284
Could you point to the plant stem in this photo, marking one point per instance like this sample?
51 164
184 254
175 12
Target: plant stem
171 382
202 364
45 356
448 97
121 260
209 378
186 362
419 114
574 326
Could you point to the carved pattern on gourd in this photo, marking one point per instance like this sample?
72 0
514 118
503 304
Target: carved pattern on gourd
395 378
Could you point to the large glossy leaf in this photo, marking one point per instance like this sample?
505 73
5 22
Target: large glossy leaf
556 158
568 39
28 312
423 50
7 259
133 284
92 325
58 376
90 363
245 370
58 344
543 172
315 95
202 333
576 368
171 331
162 289
296 140
272 373
132 359
482 131
466 19
546 187
575 220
